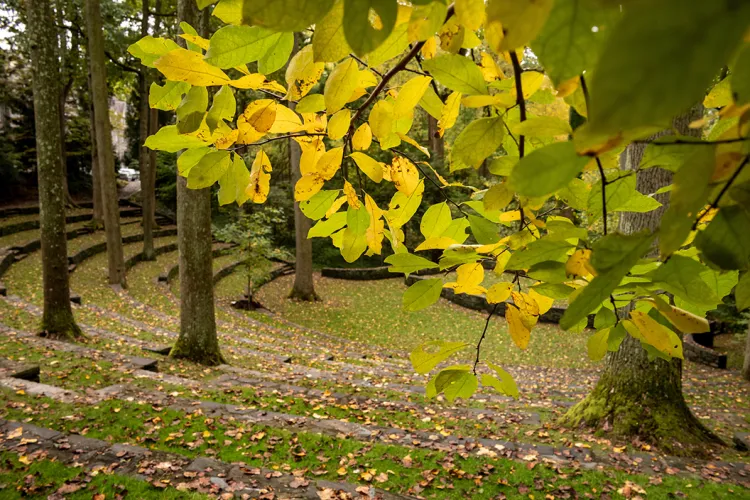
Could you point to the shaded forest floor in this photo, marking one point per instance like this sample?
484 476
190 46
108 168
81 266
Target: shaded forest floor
317 400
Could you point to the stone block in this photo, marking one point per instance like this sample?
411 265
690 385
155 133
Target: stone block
164 350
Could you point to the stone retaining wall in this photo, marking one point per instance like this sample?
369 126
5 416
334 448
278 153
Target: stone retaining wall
695 349
89 252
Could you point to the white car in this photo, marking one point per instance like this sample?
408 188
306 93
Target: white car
129 174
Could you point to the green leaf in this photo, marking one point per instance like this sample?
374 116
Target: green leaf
431 103
236 45
421 294
148 49
456 230
457 72
325 228
726 240
503 165
576 194
547 169
539 251
542 126
430 354
476 142
681 276
615 337
741 77
190 158
604 318
631 248
277 55
548 272
408 263
317 206
234 182
360 34
284 15
504 384
209 170
168 96
556 291
223 107
170 140
665 154
689 195
560 229
567 45
597 344
192 109
456 382
484 231
312 103
660 58
426 20
341 83
742 292
354 242
456 256
328 41
622 196
393 46
435 220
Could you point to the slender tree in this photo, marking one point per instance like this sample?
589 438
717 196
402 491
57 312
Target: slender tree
104 144
148 181
57 319
303 288
144 114
746 363
197 341
96 185
636 396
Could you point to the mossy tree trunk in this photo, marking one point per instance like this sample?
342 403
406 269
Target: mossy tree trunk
96 184
148 184
100 96
437 146
637 397
144 113
57 318
197 341
303 288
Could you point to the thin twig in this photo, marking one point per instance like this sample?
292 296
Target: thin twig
285 136
521 102
715 203
484 334
363 63
684 142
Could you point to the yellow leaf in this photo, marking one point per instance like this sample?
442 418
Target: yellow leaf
436 243
311 154
650 331
519 332
500 262
452 36
197 40
381 119
362 138
329 163
414 143
260 114
404 175
544 302
499 292
335 207
260 178
468 279
340 84
579 264
339 124
15 434
510 216
683 320
307 186
182 65
530 81
429 49
450 112
567 87
410 94
252 81
302 73
490 70
372 168
514 24
528 307
24 460
470 13
227 140
351 196
286 121
376 229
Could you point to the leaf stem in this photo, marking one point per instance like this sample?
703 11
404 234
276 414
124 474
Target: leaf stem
484 334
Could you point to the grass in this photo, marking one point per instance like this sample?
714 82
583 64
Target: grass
371 312
433 474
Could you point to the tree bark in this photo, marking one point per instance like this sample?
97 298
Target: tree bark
104 144
57 318
303 288
148 184
197 341
65 83
144 114
437 146
746 363
96 183
635 396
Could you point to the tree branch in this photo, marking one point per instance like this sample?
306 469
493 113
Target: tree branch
484 334
715 203
521 103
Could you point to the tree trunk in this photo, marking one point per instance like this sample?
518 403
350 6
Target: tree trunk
65 83
303 288
148 184
635 396
143 152
96 183
197 341
437 146
57 319
104 144
746 363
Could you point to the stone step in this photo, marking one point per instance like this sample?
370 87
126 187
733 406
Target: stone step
164 350
14 369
